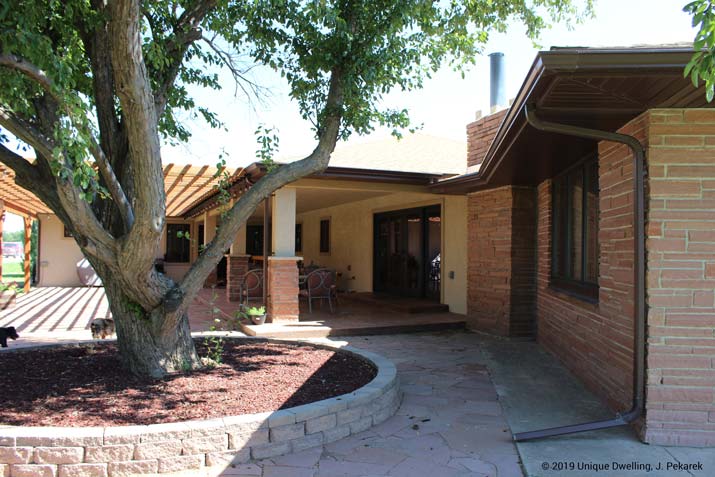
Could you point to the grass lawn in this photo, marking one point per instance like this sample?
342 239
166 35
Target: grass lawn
12 271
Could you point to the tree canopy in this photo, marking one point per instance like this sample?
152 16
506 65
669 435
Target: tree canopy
702 66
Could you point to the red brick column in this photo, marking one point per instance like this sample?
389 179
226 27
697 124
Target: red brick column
283 289
236 268
501 261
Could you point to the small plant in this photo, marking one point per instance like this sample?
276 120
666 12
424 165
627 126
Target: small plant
214 344
255 315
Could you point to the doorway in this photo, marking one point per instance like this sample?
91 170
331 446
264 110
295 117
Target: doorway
407 252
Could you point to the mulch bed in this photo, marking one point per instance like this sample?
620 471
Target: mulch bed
87 386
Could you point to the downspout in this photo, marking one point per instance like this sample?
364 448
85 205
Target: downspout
636 409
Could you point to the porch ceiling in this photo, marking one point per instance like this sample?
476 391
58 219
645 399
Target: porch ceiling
314 199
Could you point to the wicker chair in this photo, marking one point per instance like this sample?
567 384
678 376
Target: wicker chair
320 285
252 286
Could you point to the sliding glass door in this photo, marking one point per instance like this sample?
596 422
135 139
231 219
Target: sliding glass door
407 246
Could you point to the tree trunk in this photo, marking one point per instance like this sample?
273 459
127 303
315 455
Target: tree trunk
149 346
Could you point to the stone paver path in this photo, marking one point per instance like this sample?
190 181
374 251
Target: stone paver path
450 423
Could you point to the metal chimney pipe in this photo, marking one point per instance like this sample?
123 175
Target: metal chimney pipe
497 91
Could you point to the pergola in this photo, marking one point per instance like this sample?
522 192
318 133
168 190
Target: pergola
19 201
185 185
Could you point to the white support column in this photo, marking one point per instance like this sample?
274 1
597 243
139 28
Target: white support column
284 202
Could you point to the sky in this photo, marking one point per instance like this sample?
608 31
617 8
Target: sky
447 102
445 105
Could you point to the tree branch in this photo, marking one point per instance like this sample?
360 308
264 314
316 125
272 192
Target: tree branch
317 161
186 31
239 76
39 76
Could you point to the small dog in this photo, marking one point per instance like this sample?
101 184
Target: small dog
8 332
102 328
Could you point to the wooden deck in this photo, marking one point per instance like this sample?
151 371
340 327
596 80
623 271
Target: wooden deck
54 314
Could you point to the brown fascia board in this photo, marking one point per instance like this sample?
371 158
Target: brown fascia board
256 170
565 61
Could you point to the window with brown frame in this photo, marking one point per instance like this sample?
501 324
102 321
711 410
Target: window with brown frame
298 237
325 236
575 248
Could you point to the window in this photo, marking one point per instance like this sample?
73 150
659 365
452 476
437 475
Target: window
574 257
177 248
325 236
254 240
298 237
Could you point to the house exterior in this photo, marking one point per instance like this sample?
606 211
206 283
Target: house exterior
582 216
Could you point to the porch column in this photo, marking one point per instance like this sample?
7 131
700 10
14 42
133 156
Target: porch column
282 267
236 268
209 234
27 222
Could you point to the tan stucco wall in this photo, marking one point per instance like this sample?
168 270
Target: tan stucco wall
58 254
351 231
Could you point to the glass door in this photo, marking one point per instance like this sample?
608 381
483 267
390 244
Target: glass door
407 246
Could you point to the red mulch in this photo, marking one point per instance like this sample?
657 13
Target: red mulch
85 386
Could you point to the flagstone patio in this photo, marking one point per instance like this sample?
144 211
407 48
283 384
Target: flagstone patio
450 423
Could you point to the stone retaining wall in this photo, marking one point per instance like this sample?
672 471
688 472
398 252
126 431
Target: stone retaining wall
193 445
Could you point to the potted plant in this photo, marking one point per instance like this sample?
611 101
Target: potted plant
256 314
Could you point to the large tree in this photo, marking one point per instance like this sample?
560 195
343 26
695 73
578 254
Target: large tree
93 87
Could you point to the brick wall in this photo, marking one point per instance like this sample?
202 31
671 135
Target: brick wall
480 134
680 395
501 261
595 340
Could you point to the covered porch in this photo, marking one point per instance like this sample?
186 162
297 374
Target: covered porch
381 234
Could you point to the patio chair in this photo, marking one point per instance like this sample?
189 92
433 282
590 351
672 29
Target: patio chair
320 285
252 286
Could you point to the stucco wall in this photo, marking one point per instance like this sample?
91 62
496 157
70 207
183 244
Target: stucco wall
351 236
58 254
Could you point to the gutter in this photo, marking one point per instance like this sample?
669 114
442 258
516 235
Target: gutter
637 406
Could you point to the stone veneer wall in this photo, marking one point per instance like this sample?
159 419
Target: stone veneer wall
480 135
680 394
186 446
501 261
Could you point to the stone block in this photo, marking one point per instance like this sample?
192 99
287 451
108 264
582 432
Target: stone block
83 470
157 450
58 455
109 453
320 423
306 442
227 458
238 441
32 470
15 455
181 463
271 450
336 433
132 468
287 433
201 445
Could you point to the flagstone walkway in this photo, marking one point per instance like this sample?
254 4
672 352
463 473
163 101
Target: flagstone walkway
450 423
